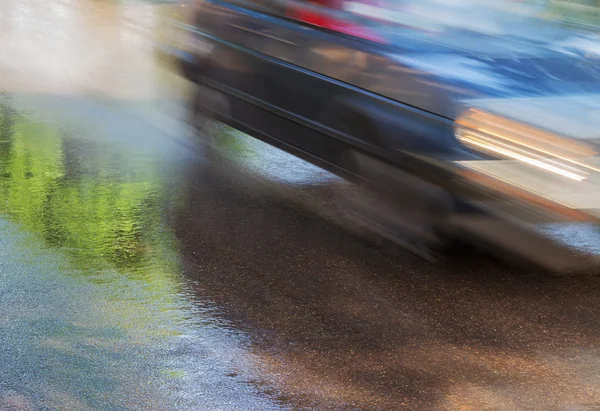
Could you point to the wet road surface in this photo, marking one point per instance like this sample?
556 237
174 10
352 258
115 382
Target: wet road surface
139 270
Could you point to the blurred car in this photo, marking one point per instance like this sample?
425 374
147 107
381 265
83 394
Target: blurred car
470 122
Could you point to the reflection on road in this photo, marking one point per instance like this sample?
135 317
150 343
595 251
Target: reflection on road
95 313
79 198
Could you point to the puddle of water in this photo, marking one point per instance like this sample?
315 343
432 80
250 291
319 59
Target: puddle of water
270 162
95 314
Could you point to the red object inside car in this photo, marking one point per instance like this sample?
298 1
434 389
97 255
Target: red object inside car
328 21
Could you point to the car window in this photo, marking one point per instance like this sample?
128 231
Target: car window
334 15
478 26
276 7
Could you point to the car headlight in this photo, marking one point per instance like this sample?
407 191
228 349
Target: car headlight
504 139
556 172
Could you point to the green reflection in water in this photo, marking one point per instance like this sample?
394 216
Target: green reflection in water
102 211
100 207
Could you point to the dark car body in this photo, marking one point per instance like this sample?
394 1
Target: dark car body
380 104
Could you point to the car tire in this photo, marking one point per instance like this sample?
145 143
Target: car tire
419 226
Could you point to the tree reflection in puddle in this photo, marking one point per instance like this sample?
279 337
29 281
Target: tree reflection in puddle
96 315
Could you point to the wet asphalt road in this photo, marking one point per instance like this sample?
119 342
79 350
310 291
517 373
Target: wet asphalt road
139 270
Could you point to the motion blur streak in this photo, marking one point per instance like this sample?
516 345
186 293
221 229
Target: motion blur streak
479 141
140 270
499 136
528 136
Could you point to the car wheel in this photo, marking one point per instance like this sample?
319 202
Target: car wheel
413 218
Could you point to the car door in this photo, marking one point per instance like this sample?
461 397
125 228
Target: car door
270 62
289 68
251 49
